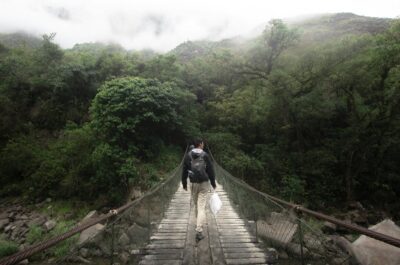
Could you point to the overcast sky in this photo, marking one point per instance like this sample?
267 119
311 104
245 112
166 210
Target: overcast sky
163 24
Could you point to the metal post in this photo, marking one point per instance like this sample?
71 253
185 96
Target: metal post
149 222
163 199
301 240
112 244
255 223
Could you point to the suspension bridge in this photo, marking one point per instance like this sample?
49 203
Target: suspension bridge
159 228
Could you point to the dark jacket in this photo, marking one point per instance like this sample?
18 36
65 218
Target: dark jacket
186 166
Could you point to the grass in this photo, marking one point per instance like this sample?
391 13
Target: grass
59 209
37 234
7 247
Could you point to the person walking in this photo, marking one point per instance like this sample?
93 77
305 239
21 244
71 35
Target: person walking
198 167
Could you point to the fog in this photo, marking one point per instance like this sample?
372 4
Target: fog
162 25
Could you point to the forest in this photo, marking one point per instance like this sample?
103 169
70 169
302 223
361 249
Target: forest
309 112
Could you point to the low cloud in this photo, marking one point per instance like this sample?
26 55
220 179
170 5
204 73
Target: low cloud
162 25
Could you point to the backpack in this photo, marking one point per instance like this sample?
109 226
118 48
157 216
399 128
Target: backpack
197 172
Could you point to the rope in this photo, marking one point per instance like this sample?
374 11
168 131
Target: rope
41 246
300 209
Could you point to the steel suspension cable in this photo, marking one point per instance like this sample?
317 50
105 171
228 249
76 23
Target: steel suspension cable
41 246
298 208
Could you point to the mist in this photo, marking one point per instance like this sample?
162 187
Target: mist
162 25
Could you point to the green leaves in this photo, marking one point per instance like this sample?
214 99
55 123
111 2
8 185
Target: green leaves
131 112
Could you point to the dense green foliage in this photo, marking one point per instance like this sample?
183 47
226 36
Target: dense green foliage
7 248
308 113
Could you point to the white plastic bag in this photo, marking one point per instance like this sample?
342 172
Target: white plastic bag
215 203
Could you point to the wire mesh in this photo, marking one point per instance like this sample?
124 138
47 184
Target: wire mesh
297 239
122 240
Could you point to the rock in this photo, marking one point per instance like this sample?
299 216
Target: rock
283 255
91 214
4 223
369 251
136 233
68 215
50 225
8 228
329 228
136 193
84 252
82 260
48 200
22 217
295 249
3 215
123 240
12 215
38 221
97 253
272 256
356 206
124 258
25 261
90 232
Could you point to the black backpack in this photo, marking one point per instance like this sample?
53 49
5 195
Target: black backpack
197 171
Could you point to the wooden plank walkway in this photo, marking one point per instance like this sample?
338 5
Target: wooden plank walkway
228 238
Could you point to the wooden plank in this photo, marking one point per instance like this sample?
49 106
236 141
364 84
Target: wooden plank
236 255
241 250
164 251
217 254
169 236
166 246
160 262
246 261
189 253
169 256
238 245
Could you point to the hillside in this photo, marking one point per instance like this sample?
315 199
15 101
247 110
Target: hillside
325 28
19 39
316 30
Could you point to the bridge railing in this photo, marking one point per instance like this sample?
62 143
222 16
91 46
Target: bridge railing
297 238
113 237
292 229
124 237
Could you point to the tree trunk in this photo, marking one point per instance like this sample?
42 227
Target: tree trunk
349 178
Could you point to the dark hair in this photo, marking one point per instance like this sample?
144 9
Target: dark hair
197 142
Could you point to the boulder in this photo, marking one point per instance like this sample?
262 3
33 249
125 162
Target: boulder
3 215
272 256
49 225
136 193
90 215
90 232
37 221
123 240
137 233
329 228
124 258
369 251
84 252
4 223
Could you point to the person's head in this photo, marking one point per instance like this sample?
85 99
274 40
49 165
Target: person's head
198 143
